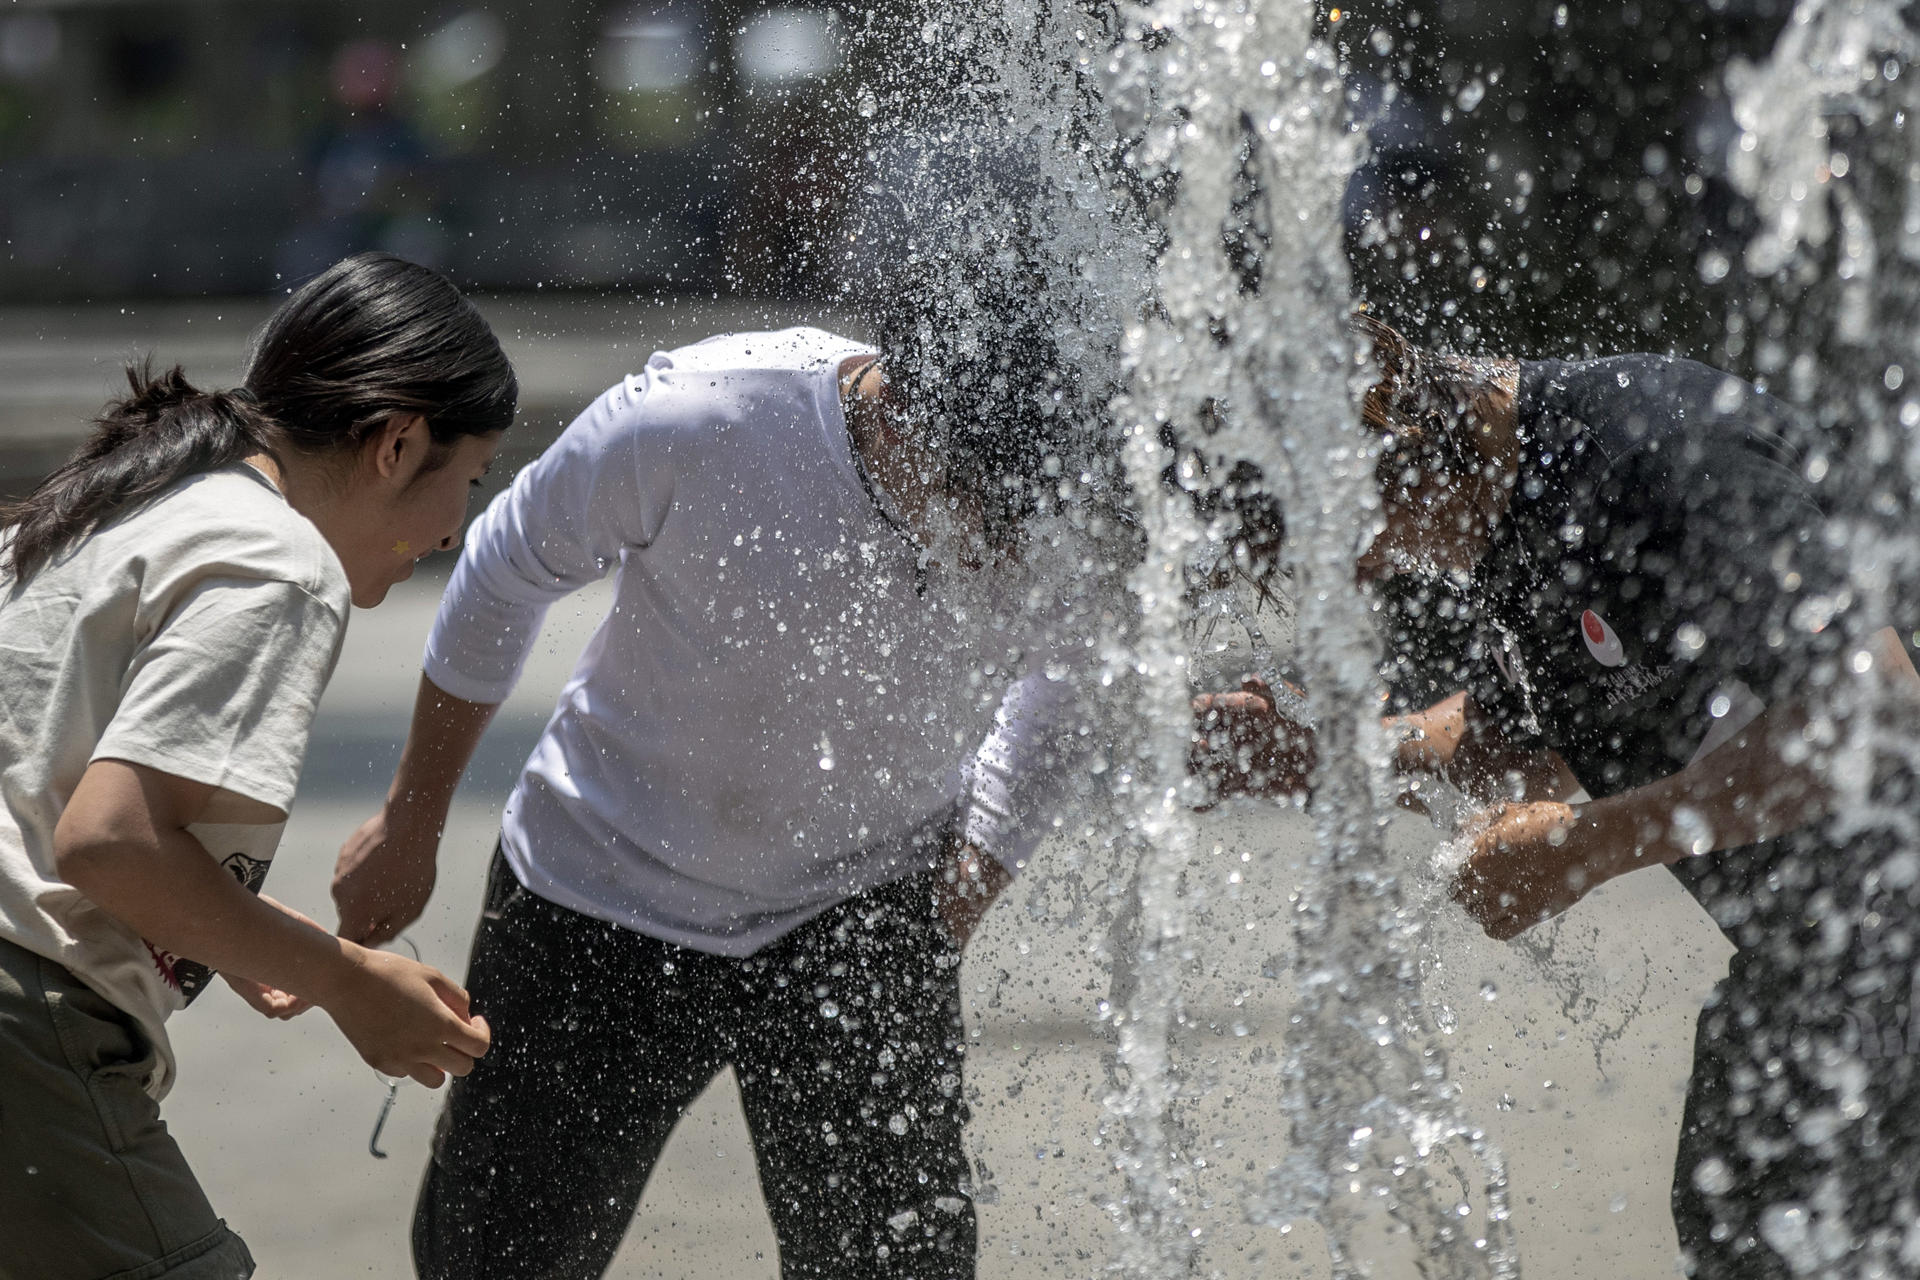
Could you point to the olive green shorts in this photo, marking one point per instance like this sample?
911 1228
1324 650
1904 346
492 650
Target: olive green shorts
91 1185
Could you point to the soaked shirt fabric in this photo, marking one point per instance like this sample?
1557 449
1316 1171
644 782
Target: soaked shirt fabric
1664 574
193 636
785 690
1659 577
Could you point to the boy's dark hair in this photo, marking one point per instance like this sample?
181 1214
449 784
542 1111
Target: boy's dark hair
369 337
954 293
1424 407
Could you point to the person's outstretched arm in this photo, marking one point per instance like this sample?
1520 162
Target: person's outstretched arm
387 868
1017 776
1532 861
565 522
1244 743
122 840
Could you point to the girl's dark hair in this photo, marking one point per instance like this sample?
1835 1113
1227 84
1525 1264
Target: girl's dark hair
370 337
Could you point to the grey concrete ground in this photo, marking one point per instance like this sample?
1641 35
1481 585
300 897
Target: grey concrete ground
1572 1048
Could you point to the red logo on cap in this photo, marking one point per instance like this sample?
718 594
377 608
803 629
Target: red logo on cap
1602 643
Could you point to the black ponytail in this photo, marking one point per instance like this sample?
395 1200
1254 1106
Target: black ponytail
145 442
371 337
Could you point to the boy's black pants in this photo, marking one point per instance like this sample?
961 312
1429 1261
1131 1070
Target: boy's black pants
1799 1152
846 1038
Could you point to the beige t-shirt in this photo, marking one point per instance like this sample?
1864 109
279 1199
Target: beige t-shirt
193 636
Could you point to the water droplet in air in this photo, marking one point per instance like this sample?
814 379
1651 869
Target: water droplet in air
1692 829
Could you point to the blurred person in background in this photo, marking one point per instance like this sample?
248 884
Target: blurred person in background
372 183
172 602
1656 618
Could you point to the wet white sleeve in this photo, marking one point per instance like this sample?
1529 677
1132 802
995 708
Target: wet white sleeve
1019 776
563 523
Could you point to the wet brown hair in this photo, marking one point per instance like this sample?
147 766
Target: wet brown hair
1427 407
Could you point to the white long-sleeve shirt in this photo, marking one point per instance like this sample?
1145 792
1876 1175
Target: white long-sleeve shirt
771 708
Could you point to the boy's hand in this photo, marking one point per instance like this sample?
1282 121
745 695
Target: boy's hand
383 879
1242 746
965 888
1529 863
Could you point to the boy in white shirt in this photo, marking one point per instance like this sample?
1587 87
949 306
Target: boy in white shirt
811 738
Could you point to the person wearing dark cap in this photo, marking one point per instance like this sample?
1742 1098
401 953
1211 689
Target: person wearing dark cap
1649 644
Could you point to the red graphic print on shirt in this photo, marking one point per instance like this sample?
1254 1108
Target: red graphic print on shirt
1602 643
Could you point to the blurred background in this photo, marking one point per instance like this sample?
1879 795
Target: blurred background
1544 177
183 148
1548 172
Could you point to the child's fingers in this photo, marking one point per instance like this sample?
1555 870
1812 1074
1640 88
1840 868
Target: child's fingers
268 1001
430 1076
471 1037
281 1004
450 1060
451 993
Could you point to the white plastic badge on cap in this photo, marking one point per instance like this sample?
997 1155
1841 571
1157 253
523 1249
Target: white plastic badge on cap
1602 643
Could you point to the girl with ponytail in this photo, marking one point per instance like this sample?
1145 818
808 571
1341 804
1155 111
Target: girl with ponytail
172 602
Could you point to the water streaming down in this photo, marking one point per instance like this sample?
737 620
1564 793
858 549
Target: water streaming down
1826 152
1233 138
1184 165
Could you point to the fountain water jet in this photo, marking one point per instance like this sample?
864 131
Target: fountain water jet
1827 155
1235 118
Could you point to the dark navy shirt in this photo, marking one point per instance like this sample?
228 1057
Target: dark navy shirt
1661 565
